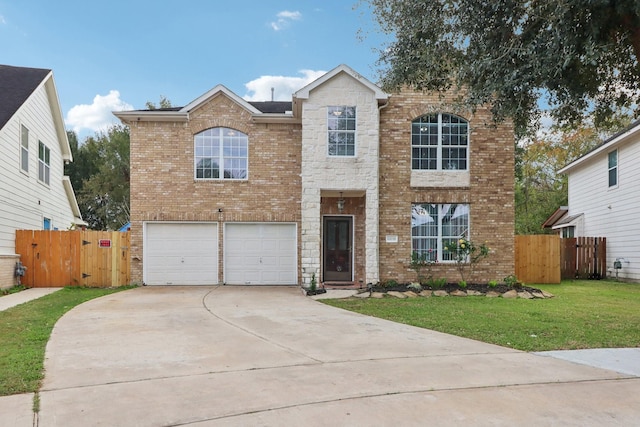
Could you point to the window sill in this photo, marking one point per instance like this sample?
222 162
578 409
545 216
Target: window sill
428 178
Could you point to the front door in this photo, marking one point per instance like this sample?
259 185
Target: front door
337 244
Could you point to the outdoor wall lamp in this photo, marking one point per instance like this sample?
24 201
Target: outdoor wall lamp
340 203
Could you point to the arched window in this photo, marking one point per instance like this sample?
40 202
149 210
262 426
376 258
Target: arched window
221 153
439 142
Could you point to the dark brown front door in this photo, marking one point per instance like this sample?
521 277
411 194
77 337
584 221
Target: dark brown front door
337 246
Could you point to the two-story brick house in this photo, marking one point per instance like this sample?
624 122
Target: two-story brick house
344 182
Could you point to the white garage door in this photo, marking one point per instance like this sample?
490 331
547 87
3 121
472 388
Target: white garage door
260 254
181 254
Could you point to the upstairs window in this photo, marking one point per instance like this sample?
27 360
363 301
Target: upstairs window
44 162
439 142
221 153
435 226
613 168
341 125
24 148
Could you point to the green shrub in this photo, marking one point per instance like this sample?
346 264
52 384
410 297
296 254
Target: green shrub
390 283
437 283
416 287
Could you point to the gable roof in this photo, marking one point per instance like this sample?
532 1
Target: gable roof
265 110
16 85
262 112
633 130
304 92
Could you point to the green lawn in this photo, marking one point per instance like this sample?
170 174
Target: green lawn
24 332
583 314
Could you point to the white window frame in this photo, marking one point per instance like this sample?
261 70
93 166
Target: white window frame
339 126
423 133
229 147
24 148
433 244
44 163
612 168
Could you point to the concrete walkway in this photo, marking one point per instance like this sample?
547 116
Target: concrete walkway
214 356
11 300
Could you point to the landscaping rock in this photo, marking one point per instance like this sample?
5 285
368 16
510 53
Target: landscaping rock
406 290
362 295
510 294
396 294
525 295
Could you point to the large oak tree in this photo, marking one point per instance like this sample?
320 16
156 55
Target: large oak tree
575 58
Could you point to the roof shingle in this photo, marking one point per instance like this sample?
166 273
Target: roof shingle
16 85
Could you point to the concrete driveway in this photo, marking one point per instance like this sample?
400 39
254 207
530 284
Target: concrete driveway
268 356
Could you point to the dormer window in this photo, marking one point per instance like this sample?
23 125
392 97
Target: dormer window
221 153
439 142
341 126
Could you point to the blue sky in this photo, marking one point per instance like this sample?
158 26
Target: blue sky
119 54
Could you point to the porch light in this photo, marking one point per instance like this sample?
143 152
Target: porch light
340 203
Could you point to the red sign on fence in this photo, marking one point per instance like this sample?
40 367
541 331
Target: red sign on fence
104 243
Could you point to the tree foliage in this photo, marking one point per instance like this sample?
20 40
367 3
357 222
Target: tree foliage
100 177
540 190
579 56
163 103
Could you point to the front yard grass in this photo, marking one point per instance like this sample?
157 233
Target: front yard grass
24 332
583 314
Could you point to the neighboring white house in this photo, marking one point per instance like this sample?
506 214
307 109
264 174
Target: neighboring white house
34 193
604 200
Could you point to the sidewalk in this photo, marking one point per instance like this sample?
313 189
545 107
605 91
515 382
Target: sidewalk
17 410
27 295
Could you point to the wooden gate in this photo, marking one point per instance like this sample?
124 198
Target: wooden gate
584 258
537 258
74 258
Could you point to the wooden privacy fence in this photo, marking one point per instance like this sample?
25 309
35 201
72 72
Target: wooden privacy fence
584 258
537 258
74 258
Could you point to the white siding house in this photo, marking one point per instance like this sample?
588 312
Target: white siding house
34 193
604 199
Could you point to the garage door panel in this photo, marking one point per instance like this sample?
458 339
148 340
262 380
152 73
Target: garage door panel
260 254
181 253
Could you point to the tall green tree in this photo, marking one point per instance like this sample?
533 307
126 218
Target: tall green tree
572 58
85 161
100 175
540 190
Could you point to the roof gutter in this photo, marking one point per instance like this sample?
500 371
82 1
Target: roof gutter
151 116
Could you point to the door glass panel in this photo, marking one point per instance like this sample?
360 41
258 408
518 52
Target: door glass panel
337 249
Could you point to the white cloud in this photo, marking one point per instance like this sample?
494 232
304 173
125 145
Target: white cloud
2 20
97 116
283 87
284 19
